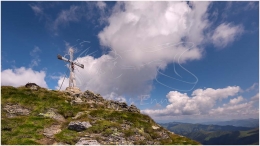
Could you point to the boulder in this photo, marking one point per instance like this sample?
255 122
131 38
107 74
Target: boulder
73 91
16 110
32 86
123 105
51 113
92 97
51 131
79 126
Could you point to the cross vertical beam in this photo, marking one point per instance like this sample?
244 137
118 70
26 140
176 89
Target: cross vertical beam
72 79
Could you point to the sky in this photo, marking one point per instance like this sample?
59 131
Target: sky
176 61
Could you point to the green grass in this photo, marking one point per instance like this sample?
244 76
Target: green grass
68 136
28 130
23 130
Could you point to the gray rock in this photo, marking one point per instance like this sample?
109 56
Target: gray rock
133 109
92 97
79 126
51 113
123 105
51 131
77 101
16 110
84 141
32 86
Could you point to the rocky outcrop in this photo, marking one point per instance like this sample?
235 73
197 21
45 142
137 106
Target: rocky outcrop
32 86
92 99
52 113
95 98
79 126
16 110
133 109
73 91
51 131
77 100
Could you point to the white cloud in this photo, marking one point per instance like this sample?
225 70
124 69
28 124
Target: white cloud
256 97
21 76
37 9
63 83
253 87
236 100
143 38
225 34
66 16
234 109
201 102
101 5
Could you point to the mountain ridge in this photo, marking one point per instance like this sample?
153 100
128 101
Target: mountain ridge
215 134
236 122
35 115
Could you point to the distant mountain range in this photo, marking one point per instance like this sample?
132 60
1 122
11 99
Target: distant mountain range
217 134
243 123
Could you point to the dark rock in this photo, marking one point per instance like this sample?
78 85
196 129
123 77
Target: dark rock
79 126
90 96
123 105
133 109
32 86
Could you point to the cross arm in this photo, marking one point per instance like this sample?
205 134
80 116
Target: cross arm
63 58
80 65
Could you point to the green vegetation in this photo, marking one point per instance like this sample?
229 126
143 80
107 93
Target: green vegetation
28 129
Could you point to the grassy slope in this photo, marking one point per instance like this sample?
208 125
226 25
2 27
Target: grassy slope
29 129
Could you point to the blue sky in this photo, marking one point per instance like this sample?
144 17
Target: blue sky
176 61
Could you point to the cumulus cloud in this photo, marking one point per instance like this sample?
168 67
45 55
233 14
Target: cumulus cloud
225 34
201 102
63 83
143 38
255 98
236 100
235 109
20 76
